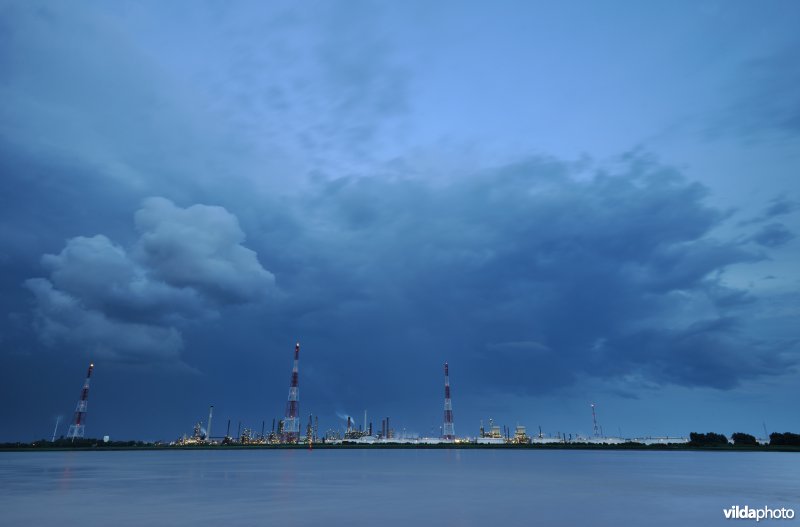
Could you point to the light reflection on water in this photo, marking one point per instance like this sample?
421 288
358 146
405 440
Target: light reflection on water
391 487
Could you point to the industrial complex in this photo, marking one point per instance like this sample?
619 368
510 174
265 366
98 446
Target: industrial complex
287 431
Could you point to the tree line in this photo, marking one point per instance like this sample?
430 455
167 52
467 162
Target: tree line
742 439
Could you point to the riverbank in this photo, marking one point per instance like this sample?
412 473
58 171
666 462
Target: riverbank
101 446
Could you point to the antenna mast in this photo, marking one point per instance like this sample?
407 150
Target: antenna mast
76 429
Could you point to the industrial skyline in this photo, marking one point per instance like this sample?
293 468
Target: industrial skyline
287 430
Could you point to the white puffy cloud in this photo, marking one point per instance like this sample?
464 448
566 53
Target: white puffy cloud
128 304
104 277
199 247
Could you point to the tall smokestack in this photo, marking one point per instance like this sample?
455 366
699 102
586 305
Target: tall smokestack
448 431
76 429
208 428
291 425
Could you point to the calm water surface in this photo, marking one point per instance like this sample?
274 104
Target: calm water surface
392 487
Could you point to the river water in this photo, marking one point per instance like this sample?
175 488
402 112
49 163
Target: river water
392 487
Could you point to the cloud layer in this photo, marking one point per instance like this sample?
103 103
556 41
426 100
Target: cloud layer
537 275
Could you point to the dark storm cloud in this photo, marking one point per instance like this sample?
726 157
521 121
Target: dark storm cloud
62 318
780 206
366 85
126 304
706 353
766 100
531 276
324 84
773 235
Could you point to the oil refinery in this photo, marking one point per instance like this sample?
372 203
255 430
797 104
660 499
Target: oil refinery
287 431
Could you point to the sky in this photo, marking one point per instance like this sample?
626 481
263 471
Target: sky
570 203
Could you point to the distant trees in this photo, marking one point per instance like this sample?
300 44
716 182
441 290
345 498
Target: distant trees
709 439
786 438
742 439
